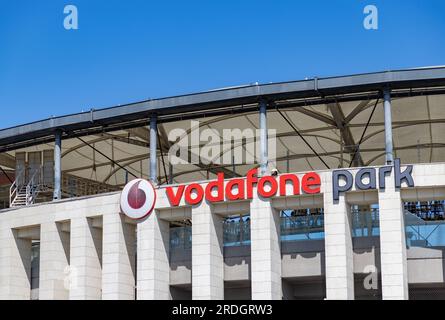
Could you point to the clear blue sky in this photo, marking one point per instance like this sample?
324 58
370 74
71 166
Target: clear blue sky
127 51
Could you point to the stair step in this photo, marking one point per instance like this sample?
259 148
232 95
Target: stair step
24 198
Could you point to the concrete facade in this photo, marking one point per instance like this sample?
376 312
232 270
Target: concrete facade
338 245
392 242
54 256
119 258
153 271
207 254
88 249
265 250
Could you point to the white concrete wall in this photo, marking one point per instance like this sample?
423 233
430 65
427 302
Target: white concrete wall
15 266
54 262
207 254
85 260
338 245
119 254
153 269
265 250
392 244
100 256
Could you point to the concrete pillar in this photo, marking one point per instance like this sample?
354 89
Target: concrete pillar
153 148
207 254
58 166
388 126
153 267
85 260
118 266
15 266
263 138
265 250
54 262
338 245
392 243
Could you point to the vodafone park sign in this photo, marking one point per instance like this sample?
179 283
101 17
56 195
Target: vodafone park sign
242 189
138 198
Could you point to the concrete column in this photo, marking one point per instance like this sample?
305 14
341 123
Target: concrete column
388 126
263 138
265 250
153 147
338 245
118 267
58 166
392 243
85 260
207 254
15 266
153 267
54 262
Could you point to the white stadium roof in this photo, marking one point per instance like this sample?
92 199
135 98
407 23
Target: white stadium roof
335 116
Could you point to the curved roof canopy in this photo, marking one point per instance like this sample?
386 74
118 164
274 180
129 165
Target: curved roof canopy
341 118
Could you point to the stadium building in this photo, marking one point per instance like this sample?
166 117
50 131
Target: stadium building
344 198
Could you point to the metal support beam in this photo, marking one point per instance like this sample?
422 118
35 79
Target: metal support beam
170 173
346 134
166 145
153 149
263 137
57 166
287 161
7 161
302 138
388 126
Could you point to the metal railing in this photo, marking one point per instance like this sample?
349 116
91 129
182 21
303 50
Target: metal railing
73 186
365 223
304 227
25 190
181 238
34 186
236 232
421 233
15 186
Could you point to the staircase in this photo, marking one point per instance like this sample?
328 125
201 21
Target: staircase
25 195
20 198
38 188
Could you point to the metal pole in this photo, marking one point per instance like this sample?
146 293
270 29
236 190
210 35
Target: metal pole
153 148
287 161
233 164
263 138
170 173
57 166
388 126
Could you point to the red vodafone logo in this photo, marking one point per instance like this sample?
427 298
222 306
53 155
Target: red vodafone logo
242 189
138 199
